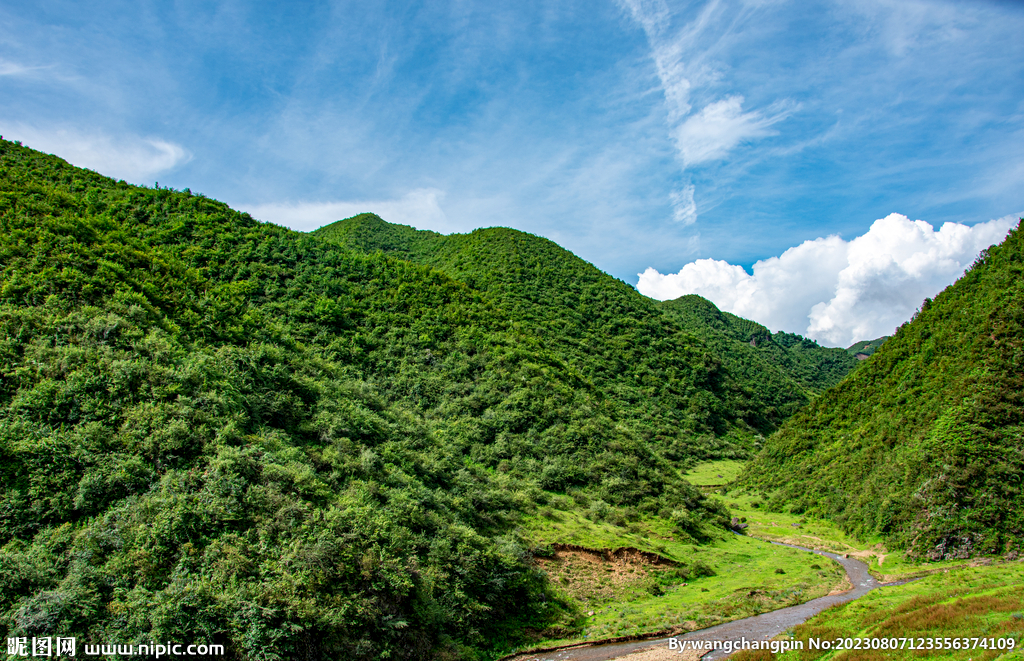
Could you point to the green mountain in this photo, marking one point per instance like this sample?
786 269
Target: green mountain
217 429
923 445
866 347
781 365
638 351
654 382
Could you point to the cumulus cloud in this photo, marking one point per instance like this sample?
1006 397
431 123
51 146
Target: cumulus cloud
127 157
834 291
420 208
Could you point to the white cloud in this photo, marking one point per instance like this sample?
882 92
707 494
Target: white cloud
684 209
127 157
713 132
653 15
834 291
8 68
681 61
420 208
678 62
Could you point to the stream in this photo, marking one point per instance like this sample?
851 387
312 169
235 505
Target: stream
756 627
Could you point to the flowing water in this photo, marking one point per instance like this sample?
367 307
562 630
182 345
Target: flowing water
757 627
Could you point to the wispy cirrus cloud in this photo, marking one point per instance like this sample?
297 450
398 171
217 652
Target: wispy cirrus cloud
907 25
719 127
130 157
8 68
684 209
684 66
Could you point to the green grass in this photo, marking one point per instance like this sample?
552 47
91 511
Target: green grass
884 564
974 602
742 566
791 528
715 472
552 525
951 600
809 532
955 602
746 577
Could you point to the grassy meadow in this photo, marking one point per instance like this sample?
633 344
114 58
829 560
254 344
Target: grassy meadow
730 577
725 578
984 602
950 598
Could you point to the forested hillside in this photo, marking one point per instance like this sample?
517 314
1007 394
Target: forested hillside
923 444
663 385
782 370
217 429
307 446
866 347
688 371
221 430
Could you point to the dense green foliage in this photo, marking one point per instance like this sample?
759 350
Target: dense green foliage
702 391
924 443
866 347
780 371
220 430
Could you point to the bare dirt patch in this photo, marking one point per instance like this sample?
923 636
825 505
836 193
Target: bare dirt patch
599 577
842 586
663 653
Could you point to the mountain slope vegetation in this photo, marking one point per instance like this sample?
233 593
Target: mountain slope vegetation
217 429
923 445
784 369
636 350
307 446
866 347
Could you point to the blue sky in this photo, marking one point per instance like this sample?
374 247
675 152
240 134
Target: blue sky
639 134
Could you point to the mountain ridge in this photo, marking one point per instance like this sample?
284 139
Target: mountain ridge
213 428
217 429
489 259
922 445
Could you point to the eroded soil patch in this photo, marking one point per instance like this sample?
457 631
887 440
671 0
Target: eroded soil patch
595 578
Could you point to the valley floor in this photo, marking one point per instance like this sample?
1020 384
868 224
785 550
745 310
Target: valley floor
633 594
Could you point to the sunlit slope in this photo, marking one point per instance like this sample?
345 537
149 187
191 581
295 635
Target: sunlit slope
638 355
782 370
367 233
866 347
214 429
923 444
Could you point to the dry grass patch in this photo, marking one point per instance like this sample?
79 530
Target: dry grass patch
595 578
977 603
957 615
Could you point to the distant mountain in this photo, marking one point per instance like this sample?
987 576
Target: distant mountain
923 445
685 363
865 348
779 360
